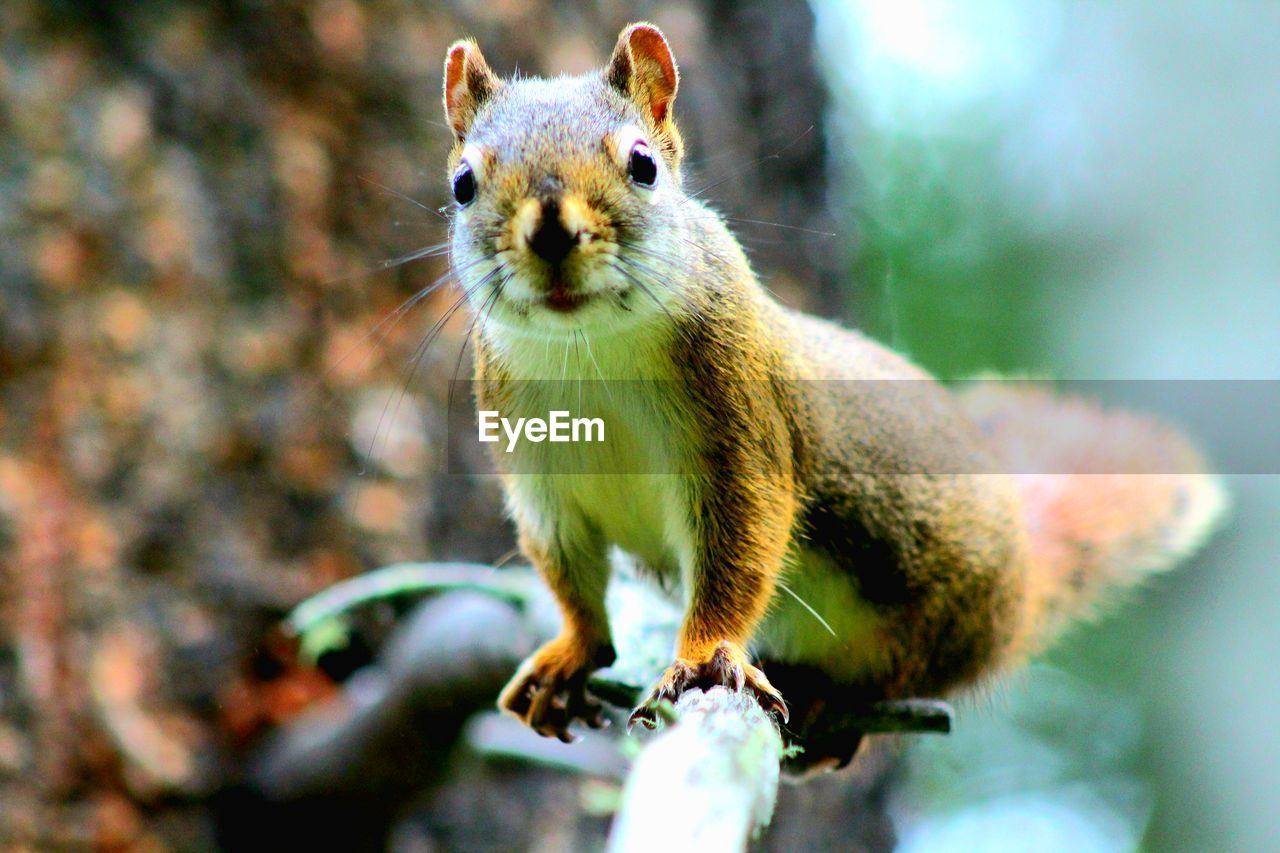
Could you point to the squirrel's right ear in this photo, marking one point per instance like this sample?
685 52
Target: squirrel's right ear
468 83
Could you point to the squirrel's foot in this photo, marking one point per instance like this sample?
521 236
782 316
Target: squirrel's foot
726 667
548 691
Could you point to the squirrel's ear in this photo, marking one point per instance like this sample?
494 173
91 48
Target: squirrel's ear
643 69
468 83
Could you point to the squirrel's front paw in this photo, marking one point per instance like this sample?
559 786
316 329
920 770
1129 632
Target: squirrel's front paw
727 666
549 692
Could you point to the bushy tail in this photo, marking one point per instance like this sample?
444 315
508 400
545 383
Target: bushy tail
1110 497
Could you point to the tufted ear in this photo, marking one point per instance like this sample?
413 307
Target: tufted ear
468 83
643 69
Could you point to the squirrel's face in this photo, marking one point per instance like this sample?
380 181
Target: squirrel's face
566 190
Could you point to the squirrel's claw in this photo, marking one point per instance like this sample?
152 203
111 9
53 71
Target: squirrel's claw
547 695
643 716
726 667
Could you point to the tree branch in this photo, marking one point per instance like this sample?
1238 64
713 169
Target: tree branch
710 780
903 716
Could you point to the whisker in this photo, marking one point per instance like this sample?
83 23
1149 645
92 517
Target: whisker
680 263
577 362
691 196
712 217
587 343
653 274
405 223
497 294
485 307
398 314
418 254
789 591
564 368
781 225
705 250
776 155
420 350
643 287
402 196
674 260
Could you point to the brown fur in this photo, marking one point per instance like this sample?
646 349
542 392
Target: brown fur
806 454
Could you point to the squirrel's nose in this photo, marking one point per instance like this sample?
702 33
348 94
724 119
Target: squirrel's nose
551 241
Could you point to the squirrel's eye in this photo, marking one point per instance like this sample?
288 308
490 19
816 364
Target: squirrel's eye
641 166
464 185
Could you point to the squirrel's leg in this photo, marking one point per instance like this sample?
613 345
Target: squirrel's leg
549 690
736 563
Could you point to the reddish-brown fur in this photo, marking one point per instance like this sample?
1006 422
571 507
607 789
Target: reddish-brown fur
805 453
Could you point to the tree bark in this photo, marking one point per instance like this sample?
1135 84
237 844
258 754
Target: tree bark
710 779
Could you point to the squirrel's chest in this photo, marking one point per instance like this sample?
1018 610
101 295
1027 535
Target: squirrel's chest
627 476
629 481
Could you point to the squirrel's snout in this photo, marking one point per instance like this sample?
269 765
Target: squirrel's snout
552 228
551 241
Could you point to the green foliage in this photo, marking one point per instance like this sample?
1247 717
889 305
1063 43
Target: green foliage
946 270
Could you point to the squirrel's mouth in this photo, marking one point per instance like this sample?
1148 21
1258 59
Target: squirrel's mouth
562 299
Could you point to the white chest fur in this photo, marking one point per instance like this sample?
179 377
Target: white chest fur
633 485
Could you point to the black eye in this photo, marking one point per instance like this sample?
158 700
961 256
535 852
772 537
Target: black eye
464 185
641 166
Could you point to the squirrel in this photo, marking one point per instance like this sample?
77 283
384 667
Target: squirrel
763 451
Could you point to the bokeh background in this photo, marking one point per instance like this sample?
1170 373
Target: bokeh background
203 209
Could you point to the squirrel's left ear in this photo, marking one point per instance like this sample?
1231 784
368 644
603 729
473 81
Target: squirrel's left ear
468 83
643 69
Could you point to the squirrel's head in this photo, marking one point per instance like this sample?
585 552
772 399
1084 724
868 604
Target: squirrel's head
567 191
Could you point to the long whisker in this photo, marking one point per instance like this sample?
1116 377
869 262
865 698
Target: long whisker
705 250
721 259
712 217
675 260
577 362
652 273
789 591
497 291
776 155
564 368
403 197
680 263
485 307
586 341
411 223
484 318
781 225
656 276
425 252
638 282
416 359
431 251
637 264
398 314
723 155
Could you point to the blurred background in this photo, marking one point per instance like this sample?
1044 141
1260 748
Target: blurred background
204 419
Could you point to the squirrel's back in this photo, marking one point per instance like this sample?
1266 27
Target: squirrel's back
1104 499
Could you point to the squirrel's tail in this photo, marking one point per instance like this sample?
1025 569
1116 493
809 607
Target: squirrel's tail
1109 497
